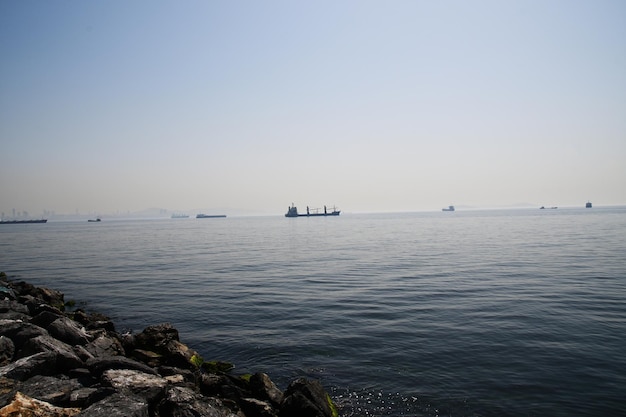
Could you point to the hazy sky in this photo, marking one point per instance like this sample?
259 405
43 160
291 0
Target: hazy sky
370 105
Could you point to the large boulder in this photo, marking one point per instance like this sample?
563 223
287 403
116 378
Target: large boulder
97 366
184 402
56 391
306 398
44 363
69 331
118 405
163 340
264 388
135 383
105 345
66 358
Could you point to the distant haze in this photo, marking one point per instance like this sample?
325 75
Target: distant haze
371 106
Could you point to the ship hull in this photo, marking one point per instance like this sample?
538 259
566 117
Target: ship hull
23 221
334 213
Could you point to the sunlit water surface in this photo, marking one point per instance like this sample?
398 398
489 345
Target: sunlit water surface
477 313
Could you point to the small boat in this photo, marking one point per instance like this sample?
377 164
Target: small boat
23 221
209 216
95 220
450 208
588 205
293 212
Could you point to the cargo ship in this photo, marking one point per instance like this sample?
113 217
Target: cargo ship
22 221
209 216
293 212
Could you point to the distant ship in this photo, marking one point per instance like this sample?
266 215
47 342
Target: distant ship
588 205
293 212
551 208
180 216
95 220
450 208
23 221
209 216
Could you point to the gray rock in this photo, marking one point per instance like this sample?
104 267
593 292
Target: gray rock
222 386
262 387
53 390
43 363
184 402
253 407
7 350
305 398
135 383
69 331
104 345
46 317
8 305
156 337
66 358
117 405
24 332
98 365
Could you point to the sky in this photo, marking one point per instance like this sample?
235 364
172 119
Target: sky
372 106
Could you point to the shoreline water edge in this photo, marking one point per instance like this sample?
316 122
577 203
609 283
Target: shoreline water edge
57 360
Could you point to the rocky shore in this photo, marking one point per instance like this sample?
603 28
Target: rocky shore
60 361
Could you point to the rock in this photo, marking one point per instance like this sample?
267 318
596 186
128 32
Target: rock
147 386
24 406
43 363
263 388
257 408
98 365
118 405
8 388
53 363
48 296
94 321
305 398
69 331
66 358
222 386
9 307
46 317
50 389
21 332
105 345
156 337
163 339
7 350
148 357
6 291
184 402
84 397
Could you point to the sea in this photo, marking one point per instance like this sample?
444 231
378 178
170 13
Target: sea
517 312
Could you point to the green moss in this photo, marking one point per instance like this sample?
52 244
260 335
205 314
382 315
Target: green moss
246 377
333 407
197 361
216 366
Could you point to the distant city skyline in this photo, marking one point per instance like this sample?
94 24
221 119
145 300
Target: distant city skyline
116 107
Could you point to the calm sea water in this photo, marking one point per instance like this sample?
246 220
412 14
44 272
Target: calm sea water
477 313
